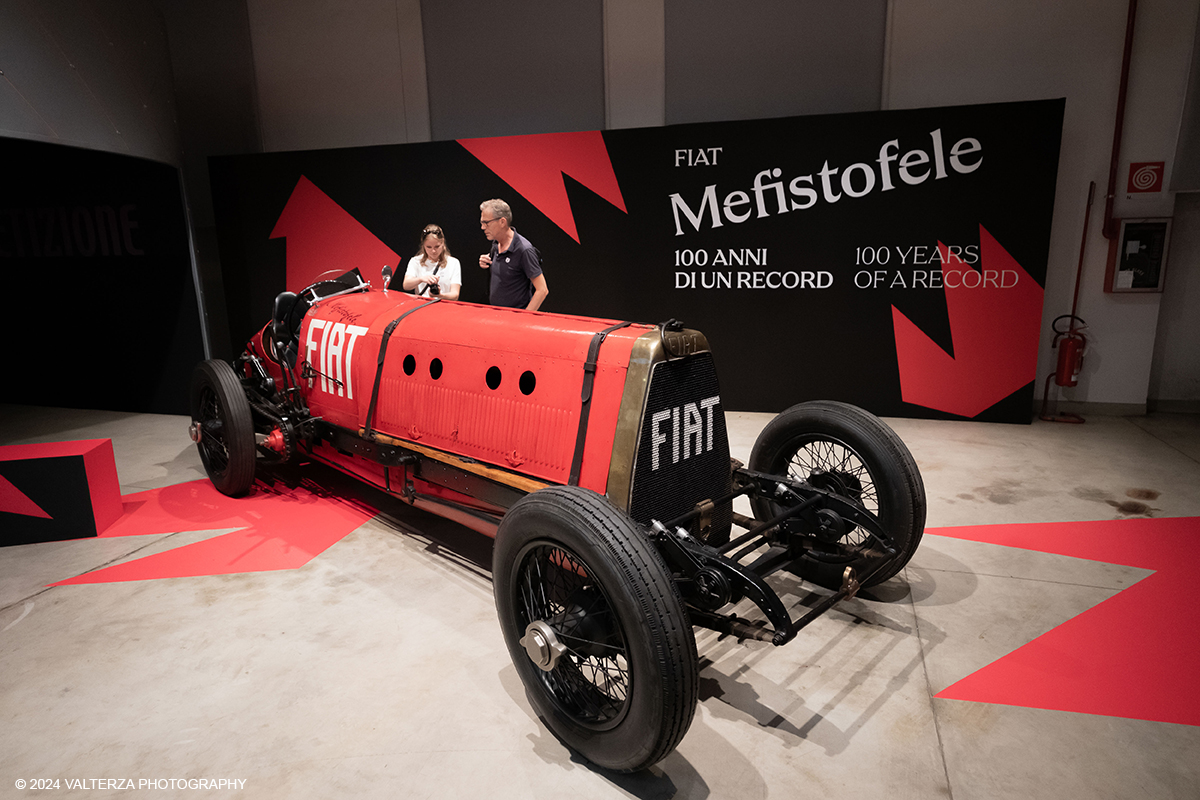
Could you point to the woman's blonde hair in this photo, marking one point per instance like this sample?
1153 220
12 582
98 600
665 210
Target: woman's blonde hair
433 230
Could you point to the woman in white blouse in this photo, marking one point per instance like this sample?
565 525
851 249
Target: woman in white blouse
433 271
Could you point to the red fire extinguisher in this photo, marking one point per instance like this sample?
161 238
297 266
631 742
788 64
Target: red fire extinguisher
1071 344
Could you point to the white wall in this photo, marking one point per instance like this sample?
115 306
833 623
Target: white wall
94 75
635 64
936 52
329 74
1175 376
772 58
526 65
336 74
946 52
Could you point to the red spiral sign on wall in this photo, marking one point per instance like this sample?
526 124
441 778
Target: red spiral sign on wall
1145 177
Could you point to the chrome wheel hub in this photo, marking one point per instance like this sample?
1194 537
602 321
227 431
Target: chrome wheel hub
542 645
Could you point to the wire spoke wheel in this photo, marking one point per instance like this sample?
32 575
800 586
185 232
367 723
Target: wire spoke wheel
595 627
213 451
590 681
222 427
832 464
843 449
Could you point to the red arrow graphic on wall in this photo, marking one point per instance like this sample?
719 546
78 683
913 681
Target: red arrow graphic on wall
534 167
322 236
995 313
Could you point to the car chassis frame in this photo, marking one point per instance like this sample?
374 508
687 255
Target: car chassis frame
802 522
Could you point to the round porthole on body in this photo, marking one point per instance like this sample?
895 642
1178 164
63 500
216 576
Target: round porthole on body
435 368
528 382
493 377
410 364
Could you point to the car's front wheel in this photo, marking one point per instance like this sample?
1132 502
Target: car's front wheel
844 449
222 427
595 627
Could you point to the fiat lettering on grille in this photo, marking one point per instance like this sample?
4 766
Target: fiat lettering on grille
688 428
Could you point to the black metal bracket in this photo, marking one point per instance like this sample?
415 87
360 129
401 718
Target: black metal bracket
385 455
734 625
308 371
802 497
709 578
695 563
422 466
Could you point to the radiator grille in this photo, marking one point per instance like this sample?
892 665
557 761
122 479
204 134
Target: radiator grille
683 449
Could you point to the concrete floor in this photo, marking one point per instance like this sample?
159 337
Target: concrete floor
378 668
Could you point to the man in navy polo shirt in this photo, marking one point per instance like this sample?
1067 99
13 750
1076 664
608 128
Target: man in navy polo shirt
517 280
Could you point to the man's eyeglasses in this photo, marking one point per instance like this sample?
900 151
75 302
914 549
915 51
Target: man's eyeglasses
483 223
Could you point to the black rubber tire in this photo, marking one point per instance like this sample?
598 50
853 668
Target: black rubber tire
843 438
581 553
222 412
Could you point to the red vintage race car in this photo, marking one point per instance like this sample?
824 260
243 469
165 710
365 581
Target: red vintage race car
595 452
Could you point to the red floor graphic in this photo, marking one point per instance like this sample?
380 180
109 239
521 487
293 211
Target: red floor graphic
1132 656
276 531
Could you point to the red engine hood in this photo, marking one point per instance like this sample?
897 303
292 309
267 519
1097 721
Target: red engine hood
497 385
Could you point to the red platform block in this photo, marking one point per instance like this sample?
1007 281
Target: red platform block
55 491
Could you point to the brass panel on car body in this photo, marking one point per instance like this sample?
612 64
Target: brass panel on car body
650 348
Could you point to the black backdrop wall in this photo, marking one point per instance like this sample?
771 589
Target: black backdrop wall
894 259
100 304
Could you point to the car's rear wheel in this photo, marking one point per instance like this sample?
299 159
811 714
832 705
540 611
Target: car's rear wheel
222 427
595 627
844 449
